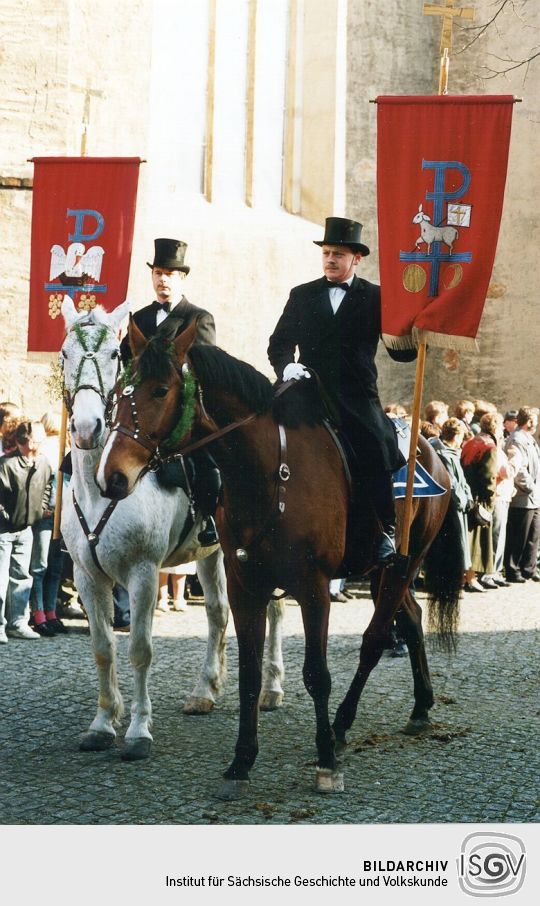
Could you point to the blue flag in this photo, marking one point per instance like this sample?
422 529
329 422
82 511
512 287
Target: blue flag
424 485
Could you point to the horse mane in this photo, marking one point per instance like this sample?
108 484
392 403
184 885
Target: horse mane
216 368
301 404
298 405
156 359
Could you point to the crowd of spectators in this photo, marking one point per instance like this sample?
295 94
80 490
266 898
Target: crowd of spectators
493 460
494 463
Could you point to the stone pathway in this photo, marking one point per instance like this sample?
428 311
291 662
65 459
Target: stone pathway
480 762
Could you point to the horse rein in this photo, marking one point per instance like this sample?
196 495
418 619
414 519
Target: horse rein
157 459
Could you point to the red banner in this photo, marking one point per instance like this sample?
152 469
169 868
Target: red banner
83 214
441 171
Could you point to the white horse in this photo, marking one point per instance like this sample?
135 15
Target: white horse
129 543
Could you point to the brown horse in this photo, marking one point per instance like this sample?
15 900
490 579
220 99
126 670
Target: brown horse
282 524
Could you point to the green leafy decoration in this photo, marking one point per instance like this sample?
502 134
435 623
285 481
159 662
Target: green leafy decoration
54 382
129 376
187 415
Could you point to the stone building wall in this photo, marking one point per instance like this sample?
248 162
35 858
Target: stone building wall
244 259
48 48
386 55
505 371
393 49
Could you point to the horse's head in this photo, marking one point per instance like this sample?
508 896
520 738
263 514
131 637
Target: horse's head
90 357
156 408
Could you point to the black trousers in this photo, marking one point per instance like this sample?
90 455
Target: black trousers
522 540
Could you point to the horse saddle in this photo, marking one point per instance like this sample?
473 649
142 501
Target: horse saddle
178 473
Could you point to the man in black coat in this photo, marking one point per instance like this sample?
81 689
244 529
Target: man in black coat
169 315
335 322
168 272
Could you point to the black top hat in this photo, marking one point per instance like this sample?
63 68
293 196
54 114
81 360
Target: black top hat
511 415
169 254
340 231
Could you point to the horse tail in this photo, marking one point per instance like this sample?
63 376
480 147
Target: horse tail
443 566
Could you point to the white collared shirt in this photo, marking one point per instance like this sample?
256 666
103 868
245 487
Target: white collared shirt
161 314
336 294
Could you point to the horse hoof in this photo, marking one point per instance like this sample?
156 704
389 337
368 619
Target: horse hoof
328 781
340 746
233 789
136 749
96 741
196 705
270 701
416 727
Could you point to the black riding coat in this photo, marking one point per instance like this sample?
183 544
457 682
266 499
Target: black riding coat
184 314
341 348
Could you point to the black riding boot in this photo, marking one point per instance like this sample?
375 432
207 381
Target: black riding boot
207 487
381 494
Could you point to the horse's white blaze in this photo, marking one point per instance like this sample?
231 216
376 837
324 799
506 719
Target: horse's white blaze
87 420
100 474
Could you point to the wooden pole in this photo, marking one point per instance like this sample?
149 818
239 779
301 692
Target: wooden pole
88 94
415 431
59 474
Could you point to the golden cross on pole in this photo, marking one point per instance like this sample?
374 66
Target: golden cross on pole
449 12
88 94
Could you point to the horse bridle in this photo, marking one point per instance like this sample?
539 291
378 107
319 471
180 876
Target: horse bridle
90 355
158 459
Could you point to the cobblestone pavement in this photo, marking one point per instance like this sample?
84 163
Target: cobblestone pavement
478 764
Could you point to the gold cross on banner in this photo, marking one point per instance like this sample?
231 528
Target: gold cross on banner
449 12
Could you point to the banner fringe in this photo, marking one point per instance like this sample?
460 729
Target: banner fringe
406 342
444 340
44 357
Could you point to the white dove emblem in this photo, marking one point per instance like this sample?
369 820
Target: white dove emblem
75 267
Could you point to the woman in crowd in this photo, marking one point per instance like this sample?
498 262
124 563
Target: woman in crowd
480 464
449 450
46 562
10 418
436 413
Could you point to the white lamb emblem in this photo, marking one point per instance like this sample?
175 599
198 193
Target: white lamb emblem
430 233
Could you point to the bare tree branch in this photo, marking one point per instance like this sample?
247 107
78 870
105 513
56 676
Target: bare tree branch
481 29
517 65
515 8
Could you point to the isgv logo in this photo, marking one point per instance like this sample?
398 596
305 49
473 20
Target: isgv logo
491 864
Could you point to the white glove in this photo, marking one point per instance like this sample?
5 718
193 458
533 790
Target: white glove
294 372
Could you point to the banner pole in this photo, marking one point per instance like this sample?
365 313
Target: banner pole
444 63
415 431
59 475
63 425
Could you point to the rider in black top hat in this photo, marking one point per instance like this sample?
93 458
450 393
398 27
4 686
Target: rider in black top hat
169 315
168 272
335 323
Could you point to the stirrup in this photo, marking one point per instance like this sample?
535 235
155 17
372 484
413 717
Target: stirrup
208 536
